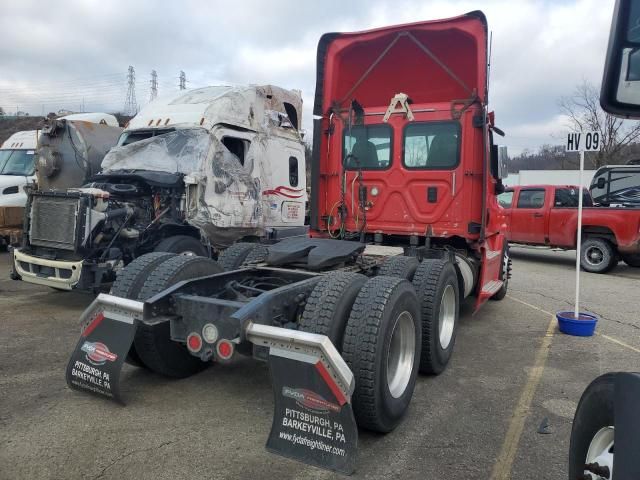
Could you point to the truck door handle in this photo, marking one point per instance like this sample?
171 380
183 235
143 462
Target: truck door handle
537 215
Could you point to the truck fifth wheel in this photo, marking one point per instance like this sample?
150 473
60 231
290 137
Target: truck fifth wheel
404 225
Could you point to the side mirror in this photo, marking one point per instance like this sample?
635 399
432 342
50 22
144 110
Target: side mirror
499 159
620 93
601 183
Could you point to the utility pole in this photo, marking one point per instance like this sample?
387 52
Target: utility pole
183 81
154 85
130 103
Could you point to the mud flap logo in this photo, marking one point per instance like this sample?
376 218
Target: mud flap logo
310 400
98 353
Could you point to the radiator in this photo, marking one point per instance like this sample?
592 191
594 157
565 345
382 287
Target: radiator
54 221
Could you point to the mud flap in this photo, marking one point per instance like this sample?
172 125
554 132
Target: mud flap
313 420
97 360
627 426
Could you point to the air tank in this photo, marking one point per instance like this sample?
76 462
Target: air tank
70 152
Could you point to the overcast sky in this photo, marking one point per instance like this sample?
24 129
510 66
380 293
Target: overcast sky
59 55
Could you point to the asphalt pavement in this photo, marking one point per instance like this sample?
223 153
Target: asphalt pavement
512 374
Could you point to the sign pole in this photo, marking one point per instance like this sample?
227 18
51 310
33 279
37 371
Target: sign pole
579 238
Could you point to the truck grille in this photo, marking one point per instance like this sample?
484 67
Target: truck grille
54 220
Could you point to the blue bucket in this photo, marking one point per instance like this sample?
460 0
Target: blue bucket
584 326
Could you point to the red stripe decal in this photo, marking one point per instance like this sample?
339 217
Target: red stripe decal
333 386
288 193
92 326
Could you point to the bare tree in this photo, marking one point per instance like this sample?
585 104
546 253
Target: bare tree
584 113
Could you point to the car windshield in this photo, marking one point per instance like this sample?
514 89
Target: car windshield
180 151
16 162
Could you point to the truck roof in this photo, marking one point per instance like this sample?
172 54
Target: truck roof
248 107
362 65
93 117
25 140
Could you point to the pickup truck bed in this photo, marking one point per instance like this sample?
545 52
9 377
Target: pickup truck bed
548 215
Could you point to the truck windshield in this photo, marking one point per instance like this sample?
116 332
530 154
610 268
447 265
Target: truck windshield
133 136
179 151
16 162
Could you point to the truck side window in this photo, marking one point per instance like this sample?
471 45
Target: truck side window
293 171
367 147
237 146
568 197
431 145
531 198
506 199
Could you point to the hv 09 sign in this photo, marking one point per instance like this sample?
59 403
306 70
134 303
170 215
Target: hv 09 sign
583 142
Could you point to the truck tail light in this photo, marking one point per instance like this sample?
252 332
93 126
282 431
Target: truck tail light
224 349
194 342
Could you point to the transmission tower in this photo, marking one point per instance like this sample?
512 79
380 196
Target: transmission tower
130 103
154 85
183 81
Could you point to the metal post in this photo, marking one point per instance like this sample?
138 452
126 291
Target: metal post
579 238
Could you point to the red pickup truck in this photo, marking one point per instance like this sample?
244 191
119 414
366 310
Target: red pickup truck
548 215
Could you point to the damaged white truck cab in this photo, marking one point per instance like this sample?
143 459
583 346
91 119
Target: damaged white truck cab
191 174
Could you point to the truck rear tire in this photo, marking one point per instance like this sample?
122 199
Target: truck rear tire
382 348
128 284
399 266
595 413
597 255
153 342
329 305
505 274
240 254
633 260
436 283
182 245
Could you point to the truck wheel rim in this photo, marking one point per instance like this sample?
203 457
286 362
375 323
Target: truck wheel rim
594 256
447 316
600 451
402 351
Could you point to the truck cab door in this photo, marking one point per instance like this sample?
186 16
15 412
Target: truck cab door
283 182
505 200
233 184
528 222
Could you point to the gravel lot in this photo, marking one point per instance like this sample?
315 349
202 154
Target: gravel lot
479 419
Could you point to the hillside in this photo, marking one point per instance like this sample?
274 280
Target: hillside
11 125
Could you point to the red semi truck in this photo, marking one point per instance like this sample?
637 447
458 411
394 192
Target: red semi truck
404 161
548 215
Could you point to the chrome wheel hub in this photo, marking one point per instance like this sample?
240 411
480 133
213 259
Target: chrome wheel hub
447 316
402 351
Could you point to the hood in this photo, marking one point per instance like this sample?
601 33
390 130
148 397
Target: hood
432 62
12 180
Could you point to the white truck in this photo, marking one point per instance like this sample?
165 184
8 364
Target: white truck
17 167
191 174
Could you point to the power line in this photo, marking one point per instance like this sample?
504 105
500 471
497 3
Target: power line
154 86
130 104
